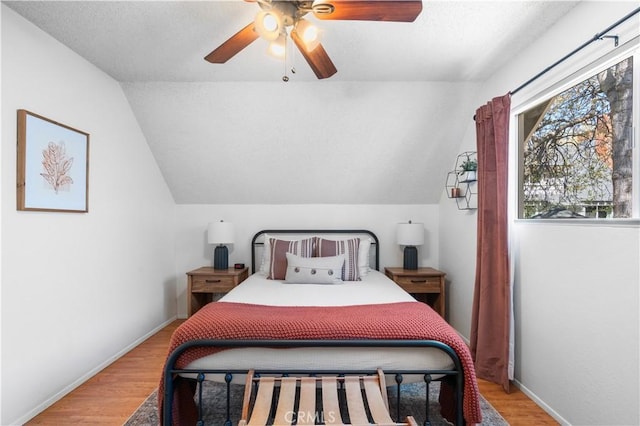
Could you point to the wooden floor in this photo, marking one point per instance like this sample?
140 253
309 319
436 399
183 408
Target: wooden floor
111 396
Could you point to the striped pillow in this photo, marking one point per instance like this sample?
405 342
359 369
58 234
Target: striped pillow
349 248
279 250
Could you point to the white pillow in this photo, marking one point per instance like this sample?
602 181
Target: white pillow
363 256
266 256
314 270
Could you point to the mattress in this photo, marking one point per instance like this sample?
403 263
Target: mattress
374 288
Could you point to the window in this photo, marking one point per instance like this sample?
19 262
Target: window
576 150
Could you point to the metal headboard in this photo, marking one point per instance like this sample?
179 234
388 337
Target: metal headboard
257 240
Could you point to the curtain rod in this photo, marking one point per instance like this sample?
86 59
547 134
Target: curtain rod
601 35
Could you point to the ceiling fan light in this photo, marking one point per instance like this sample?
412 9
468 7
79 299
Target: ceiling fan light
309 34
268 24
278 47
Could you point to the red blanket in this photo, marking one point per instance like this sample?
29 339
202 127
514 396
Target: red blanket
403 320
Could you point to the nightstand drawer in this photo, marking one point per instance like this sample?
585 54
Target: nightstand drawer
212 284
207 284
424 284
419 284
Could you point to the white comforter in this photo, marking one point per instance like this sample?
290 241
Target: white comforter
375 288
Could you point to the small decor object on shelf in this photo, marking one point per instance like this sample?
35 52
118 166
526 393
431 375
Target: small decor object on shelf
461 184
468 170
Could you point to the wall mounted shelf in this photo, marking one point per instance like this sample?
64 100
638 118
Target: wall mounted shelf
459 186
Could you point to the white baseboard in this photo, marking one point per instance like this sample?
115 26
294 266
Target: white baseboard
64 391
541 403
532 396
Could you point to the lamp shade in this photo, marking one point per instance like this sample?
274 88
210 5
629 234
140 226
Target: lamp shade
308 33
220 233
268 24
410 234
278 47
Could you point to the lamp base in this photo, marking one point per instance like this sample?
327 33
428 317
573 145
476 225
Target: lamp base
410 258
221 257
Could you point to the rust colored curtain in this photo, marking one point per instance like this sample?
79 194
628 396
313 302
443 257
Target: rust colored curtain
491 315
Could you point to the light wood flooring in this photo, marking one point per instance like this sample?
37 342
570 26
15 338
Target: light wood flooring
111 396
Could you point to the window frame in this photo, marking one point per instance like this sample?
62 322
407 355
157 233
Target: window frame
543 93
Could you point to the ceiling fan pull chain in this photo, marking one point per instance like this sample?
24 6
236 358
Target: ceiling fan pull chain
285 77
293 58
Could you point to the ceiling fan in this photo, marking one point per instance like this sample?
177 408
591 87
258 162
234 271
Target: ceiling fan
276 16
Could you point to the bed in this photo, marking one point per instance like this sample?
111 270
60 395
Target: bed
316 304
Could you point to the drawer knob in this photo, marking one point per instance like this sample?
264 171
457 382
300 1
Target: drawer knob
213 281
418 281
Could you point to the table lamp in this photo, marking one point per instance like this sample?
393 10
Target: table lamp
410 235
220 233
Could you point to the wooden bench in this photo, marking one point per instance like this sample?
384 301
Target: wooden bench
303 391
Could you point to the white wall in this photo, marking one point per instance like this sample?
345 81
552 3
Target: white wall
346 142
576 287
576 302
77 289
121 284
192 250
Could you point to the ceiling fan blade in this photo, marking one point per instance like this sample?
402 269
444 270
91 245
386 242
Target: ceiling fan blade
318 59
372 10
235 44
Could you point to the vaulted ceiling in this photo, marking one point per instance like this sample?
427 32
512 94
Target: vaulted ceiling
383 130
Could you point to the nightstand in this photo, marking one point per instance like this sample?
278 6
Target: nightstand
205 283
425 284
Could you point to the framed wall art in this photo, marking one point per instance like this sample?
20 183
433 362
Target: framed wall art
53 165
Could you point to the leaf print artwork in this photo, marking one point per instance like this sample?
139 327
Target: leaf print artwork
52 166
56 166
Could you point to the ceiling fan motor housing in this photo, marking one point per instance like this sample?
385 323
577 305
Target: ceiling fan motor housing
290 11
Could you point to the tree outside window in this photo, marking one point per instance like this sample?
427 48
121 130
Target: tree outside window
576 150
